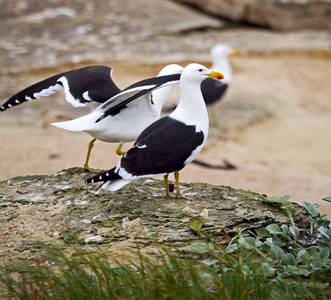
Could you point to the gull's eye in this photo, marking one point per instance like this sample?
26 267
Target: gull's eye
200 70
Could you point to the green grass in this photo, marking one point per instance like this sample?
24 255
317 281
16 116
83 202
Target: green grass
275 262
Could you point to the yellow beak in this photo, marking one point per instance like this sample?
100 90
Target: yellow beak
216 75
235 52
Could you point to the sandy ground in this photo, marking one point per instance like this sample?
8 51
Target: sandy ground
287 153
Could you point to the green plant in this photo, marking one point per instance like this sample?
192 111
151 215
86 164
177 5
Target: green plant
283 201
295 261
101 275
272 262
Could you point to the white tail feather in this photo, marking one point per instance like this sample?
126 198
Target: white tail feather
114 185
80 124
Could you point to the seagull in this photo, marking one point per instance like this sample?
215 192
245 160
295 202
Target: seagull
214 90
170 143
123 117
94 84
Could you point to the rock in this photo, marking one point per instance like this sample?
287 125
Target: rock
45 36
277 14
137 214
49 34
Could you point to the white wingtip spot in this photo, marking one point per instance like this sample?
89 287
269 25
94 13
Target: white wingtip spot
9 105
100 177
141 146
18 102
86 96
107 174
27 98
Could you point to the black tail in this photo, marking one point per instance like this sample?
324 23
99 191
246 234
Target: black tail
105 176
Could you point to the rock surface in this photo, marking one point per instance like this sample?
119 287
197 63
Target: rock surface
55 34
61 32
61 207
277 14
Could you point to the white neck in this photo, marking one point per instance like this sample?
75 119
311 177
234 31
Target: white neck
159 97
189 111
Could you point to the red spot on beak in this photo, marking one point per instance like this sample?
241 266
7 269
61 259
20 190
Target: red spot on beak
219 77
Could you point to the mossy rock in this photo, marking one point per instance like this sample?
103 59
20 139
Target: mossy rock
139 214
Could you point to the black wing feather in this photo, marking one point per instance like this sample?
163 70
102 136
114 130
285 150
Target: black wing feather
150 83
95 80
28 93
162 147
212 90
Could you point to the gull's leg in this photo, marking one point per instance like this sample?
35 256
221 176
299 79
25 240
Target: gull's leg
86 167
119 150
178 194
166 182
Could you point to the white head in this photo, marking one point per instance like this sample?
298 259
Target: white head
171 69
221 51
197 73
219 56
191 108
160 95
190 82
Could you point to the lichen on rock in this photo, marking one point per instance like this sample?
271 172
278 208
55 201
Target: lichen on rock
62 208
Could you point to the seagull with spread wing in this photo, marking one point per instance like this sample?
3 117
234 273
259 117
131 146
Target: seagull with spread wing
121 115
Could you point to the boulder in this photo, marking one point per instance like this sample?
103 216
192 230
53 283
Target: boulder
62 208
276 14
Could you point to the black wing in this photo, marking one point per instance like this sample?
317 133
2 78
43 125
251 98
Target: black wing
37 90
163 147
81 86
135 91
212 90
94 80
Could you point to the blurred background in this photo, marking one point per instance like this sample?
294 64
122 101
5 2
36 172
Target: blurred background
274 123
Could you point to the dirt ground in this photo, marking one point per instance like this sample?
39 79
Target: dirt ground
285 152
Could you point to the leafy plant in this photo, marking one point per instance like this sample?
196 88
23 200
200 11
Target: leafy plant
295 261
101 275
283 201
272 262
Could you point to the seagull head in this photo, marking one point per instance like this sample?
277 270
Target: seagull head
221 51
171 69
197 72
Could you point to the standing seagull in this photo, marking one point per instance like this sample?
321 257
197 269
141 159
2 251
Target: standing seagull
212 90
94 84
170 143
123 117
